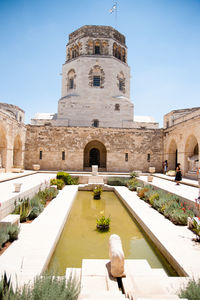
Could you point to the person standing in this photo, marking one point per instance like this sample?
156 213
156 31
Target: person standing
165 166
178 177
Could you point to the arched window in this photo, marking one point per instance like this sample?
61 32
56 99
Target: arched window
115 50
97 48
121 82
123 55
71 75
96 77
119 53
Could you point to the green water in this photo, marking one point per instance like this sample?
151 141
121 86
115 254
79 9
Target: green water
80 239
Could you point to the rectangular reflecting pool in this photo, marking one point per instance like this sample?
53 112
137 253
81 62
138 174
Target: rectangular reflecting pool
80 239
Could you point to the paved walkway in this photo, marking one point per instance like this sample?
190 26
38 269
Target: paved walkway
10 175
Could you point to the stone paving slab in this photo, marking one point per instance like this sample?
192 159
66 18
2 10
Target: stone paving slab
10 176
186 181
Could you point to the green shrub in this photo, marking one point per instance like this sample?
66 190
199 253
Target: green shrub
47 194
4 236
13 232
133 174
30 209
117 181
59 182
36 207
75 180
160 204
133 183
191 291
97 192
8 233
68 180
6 290
23 209
153 197
45 287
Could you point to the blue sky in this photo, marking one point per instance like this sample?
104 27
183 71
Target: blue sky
163 39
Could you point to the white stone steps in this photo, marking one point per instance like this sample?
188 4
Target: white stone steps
137 266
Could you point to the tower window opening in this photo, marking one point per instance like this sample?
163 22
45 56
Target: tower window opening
63 155
97 50
126 156
40 155
95 123
121 84
148 157
96 81
71 83
117 107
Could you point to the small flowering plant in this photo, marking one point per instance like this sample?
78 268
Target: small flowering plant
103 223
97 192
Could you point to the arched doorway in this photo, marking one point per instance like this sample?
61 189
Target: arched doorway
94 154
3 146
17 152
172 155
191 154
94 157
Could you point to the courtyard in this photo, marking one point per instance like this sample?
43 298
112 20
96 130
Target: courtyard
29 256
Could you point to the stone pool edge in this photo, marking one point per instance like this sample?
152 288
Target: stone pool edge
173 241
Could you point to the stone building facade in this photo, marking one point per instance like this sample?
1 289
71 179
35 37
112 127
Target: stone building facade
12 137
95 124
77 148
182 139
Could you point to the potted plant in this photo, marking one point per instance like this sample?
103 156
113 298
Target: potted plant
97 192
103 223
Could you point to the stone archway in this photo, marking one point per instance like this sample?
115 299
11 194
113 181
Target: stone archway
191 154
3 146
95 154
17 152
172 155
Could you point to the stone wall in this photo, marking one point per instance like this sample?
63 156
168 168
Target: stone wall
12 138
182 141
126 149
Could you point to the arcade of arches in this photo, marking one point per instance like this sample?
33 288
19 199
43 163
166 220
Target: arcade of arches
12 143
182 146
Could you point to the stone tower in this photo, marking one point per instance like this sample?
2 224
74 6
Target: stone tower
96 80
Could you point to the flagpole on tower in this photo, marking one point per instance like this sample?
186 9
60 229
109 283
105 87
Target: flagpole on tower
114 9
116 14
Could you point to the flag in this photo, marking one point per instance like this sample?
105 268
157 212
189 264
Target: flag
113 8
